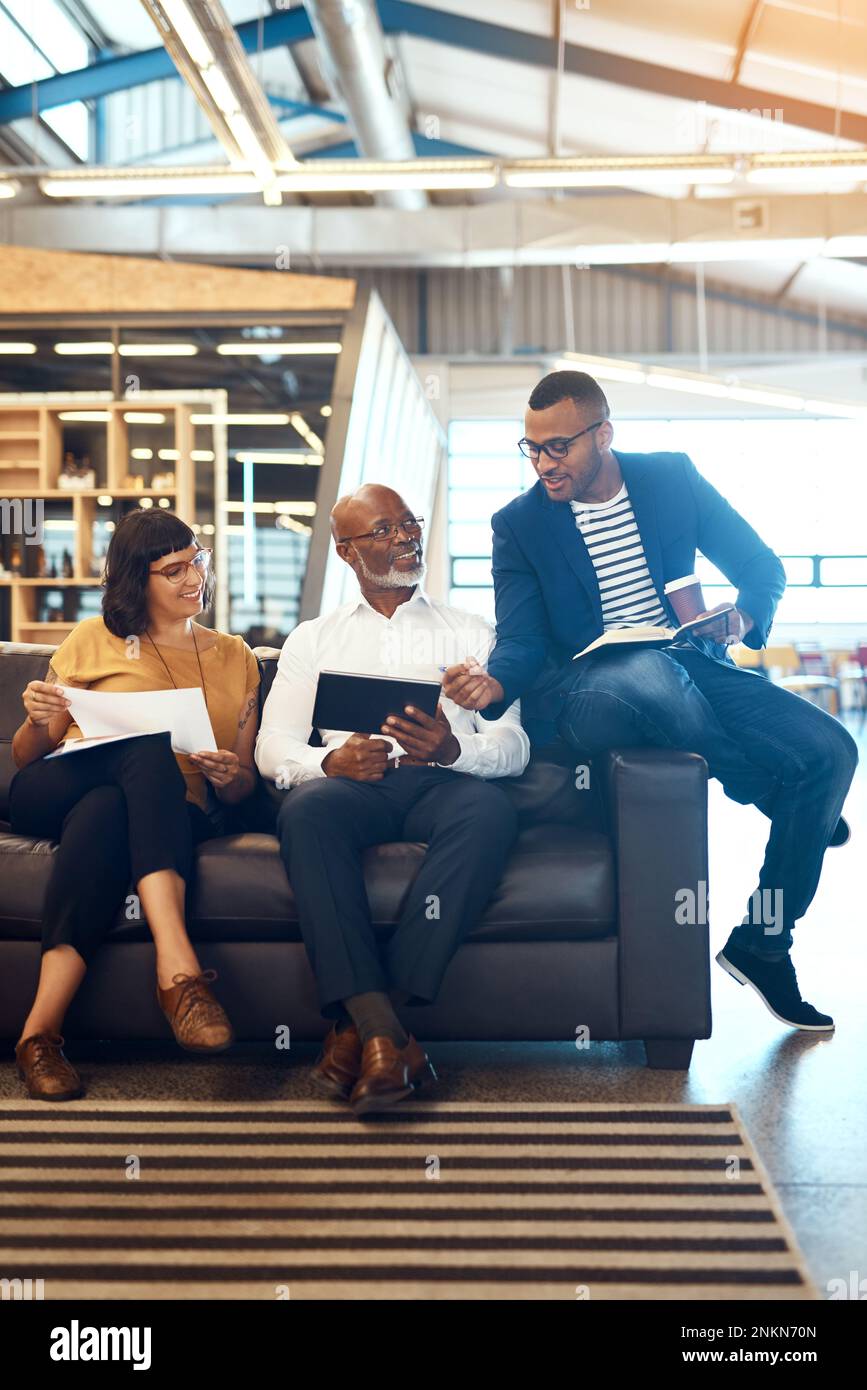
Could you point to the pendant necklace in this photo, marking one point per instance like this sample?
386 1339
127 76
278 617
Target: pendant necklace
168 671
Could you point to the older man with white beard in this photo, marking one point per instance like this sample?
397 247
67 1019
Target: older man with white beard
427 779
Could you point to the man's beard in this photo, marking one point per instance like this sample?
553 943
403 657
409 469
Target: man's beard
393 577
595 461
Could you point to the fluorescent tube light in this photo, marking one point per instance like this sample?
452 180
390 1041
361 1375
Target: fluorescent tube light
84 349
300 424
100 416
288 523
845 409
249 349
272 456
144 417
178 14
810 173
757 395
623 253
696 386
141 184
364 176
299 508
263 419
215 80
793 248
606 368
564 175
695 383
158 350
248 143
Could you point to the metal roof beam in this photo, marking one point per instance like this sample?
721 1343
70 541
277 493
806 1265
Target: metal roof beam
136 69
439 26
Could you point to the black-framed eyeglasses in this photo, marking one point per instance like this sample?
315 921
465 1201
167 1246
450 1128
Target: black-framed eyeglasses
175 573
412 526
554 448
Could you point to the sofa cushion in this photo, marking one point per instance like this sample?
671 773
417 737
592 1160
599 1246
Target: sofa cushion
20 663
558 886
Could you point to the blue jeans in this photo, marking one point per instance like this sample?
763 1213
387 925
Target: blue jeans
767 747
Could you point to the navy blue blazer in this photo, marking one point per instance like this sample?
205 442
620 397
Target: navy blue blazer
547 595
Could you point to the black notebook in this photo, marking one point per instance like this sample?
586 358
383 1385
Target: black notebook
363 703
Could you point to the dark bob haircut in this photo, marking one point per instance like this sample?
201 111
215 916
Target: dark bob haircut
584 390
139 539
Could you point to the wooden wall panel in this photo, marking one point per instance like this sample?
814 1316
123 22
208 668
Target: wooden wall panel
33 281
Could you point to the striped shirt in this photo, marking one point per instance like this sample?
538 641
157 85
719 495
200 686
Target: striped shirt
613 543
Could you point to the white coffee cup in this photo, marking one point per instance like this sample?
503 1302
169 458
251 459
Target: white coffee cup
685 597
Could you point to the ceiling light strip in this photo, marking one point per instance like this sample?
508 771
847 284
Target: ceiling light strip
704 384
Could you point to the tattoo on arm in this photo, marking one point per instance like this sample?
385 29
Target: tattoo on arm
51 676
251 705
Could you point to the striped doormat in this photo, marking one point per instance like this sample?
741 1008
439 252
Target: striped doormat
454 1200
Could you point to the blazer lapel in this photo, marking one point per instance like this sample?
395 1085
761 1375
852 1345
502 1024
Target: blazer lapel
637 473
560 523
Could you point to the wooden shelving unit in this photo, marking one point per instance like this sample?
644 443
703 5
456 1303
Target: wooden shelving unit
32 444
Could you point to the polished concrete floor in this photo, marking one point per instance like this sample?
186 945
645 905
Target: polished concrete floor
802 1097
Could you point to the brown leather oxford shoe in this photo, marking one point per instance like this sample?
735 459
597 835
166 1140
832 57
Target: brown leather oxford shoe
389 1074
336 1069
45 1071
198 1020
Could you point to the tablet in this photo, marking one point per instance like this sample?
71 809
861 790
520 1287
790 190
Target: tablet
362 704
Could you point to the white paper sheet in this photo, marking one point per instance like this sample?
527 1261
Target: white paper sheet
182 712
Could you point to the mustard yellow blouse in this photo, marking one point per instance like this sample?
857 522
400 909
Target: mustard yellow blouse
92 656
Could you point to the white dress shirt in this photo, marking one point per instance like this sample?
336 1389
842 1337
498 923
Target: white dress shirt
422 638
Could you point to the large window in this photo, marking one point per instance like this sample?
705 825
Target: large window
801 483
38 39
265 594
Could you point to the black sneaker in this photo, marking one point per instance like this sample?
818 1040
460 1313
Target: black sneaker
842 834
776 984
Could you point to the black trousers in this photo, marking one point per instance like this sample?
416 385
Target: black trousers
324 825
118 812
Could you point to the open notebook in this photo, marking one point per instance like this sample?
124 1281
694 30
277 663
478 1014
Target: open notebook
648 635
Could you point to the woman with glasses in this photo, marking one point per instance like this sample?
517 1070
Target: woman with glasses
131 811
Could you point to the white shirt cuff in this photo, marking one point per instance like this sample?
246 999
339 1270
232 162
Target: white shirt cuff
466 760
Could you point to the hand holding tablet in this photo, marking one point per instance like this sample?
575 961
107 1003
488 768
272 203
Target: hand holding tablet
426 740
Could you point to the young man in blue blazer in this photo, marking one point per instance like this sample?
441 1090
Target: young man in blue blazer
591 547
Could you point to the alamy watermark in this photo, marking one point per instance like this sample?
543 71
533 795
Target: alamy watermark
21 1290
23 516
765 910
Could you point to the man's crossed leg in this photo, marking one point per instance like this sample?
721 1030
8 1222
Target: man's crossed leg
767 747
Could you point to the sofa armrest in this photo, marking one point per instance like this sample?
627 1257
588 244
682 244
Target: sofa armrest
656 803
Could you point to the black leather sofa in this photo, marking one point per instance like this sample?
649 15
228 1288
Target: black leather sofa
581 934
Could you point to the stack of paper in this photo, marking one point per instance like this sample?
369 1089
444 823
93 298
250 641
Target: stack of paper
105 717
